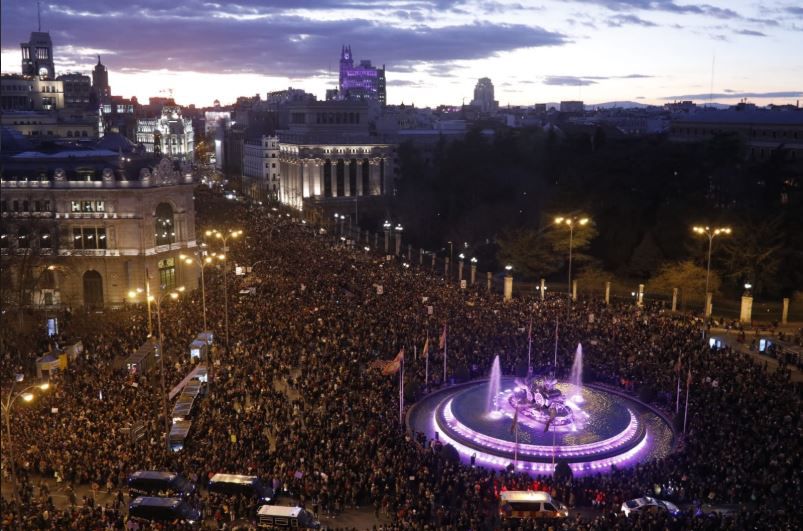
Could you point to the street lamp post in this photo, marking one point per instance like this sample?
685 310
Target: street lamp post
460 266
451 259
232 234
711 233
398 232
570 222
386 225
7 404
201 261
173 294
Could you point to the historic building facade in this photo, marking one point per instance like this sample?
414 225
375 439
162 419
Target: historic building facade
361 82
85 228
329 151
169 134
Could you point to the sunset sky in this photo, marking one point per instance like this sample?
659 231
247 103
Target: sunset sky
649 51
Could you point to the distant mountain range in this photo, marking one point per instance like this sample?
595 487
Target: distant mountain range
636 105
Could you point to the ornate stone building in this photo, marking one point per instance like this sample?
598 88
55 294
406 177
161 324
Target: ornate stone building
330 152
83 228
169 134
317 171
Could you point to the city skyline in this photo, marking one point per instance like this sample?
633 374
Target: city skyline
647 51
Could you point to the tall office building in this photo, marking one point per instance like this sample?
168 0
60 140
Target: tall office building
37 55
361 82
100 82
484 95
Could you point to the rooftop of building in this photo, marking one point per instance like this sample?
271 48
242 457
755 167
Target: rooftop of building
90 168
732 116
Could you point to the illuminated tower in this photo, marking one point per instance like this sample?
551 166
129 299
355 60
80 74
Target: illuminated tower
37 55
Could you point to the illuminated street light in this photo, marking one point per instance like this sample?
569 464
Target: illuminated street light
7 404
711 233
570 222
231 234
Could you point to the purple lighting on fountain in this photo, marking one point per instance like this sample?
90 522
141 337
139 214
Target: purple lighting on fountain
493 387
576 376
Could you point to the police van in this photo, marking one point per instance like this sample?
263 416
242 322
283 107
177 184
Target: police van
234 484
163 510
279 516
158 483
530 504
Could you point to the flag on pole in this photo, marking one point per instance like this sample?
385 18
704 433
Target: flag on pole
514 426
552 414
425 350
393 366
530 330
442 343
688 379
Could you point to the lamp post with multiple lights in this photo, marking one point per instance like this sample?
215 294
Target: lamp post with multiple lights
173 294
571 222
225 237
202 260
7 405
710 233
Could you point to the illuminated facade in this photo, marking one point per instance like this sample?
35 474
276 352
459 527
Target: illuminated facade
82 228
361 82
37 55
170 134
328 153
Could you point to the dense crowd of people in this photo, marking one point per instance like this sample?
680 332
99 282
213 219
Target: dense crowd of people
294 400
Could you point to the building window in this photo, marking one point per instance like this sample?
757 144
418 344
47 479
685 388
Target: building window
45 241
23 238
75 206
87 206
167 273
165 228
77 239
100 206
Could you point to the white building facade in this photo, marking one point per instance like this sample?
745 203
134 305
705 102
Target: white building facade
261 167
170 135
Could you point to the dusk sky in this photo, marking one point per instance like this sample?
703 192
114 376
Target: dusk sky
649 51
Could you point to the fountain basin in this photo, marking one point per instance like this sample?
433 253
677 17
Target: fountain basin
607 428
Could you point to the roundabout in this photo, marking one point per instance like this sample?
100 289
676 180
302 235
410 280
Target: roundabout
533 424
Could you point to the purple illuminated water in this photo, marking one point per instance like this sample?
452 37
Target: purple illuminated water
493 386
576 376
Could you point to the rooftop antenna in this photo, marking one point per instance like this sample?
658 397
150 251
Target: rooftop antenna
39 14
711 88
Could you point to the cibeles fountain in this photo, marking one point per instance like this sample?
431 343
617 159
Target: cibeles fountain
537 421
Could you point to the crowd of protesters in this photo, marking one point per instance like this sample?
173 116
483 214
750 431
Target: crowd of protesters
294 400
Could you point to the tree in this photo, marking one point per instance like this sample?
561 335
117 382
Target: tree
538 253
646 258
593 279
529 252
688 277
753 254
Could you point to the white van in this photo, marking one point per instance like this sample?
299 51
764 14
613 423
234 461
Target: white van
280 516
530 504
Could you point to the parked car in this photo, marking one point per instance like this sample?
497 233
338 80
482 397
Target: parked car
648 504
